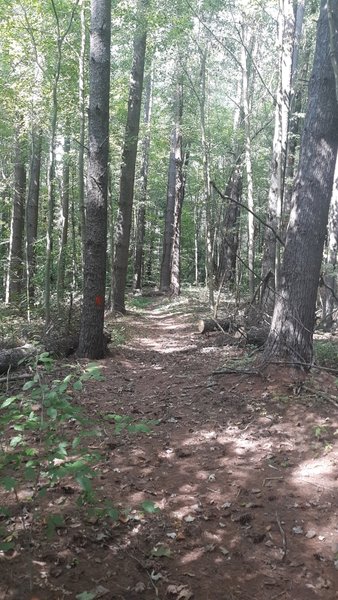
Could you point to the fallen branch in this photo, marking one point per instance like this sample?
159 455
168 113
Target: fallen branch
16 377
239 371
330 398
282 532
224 197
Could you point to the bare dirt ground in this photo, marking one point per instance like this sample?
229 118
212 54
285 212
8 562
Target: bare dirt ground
243 469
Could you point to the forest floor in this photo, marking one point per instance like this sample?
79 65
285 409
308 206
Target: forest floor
242 468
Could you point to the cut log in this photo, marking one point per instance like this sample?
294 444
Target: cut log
11 357
205 326
257 336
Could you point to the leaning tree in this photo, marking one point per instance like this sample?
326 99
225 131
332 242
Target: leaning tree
291 333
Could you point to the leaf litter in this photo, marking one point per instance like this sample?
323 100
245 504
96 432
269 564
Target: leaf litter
199 454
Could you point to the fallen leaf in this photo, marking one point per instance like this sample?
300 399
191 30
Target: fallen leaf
224 551
156 576
182 592
97 592
161 550
310 534
297 530
189 519
139 587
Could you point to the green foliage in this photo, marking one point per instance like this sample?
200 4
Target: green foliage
139 302
326 353
43 436
125 423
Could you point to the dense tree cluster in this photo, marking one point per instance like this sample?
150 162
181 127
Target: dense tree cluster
155 143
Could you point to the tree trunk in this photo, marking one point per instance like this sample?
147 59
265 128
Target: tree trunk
169 218
330 269
123 225
230 229
291 332
91 343
82 119
32 210
209 242
181 163
52 155
248 159
141 214
271 253
206 326
64 219
15 268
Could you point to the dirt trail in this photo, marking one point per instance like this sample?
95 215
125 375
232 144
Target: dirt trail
243 470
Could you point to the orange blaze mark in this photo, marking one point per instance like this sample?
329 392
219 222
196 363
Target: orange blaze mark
99 300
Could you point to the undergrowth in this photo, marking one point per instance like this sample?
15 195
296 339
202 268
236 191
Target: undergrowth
46 443
326 353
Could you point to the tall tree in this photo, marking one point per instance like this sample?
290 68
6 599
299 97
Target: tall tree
291 332
15 266
141 212
271 254
129 153
32 209
91 343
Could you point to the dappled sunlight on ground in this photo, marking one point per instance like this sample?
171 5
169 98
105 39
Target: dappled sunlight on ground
242 475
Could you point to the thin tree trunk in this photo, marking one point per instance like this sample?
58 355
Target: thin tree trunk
32 210
15 264
209 241
64 219
291 332
126 196
91 343
248 158
169 218
52 158
141 213
230 229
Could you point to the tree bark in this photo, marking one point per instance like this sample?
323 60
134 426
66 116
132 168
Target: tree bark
169 218
91 343
64 219
123 226
271 253
206 326
230 229
32 209
330 268
15 268
82 122
141 213
248 158
291 332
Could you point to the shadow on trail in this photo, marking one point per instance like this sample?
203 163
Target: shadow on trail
243 472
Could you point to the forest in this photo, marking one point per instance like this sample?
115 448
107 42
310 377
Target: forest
168 299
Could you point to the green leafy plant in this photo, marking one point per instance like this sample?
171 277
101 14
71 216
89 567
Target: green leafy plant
43 436
36 450
126 423
326 353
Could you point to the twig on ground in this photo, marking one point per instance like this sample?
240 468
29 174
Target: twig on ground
239 371
15 377
282 532
301 364
146 570
272 479
332 399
